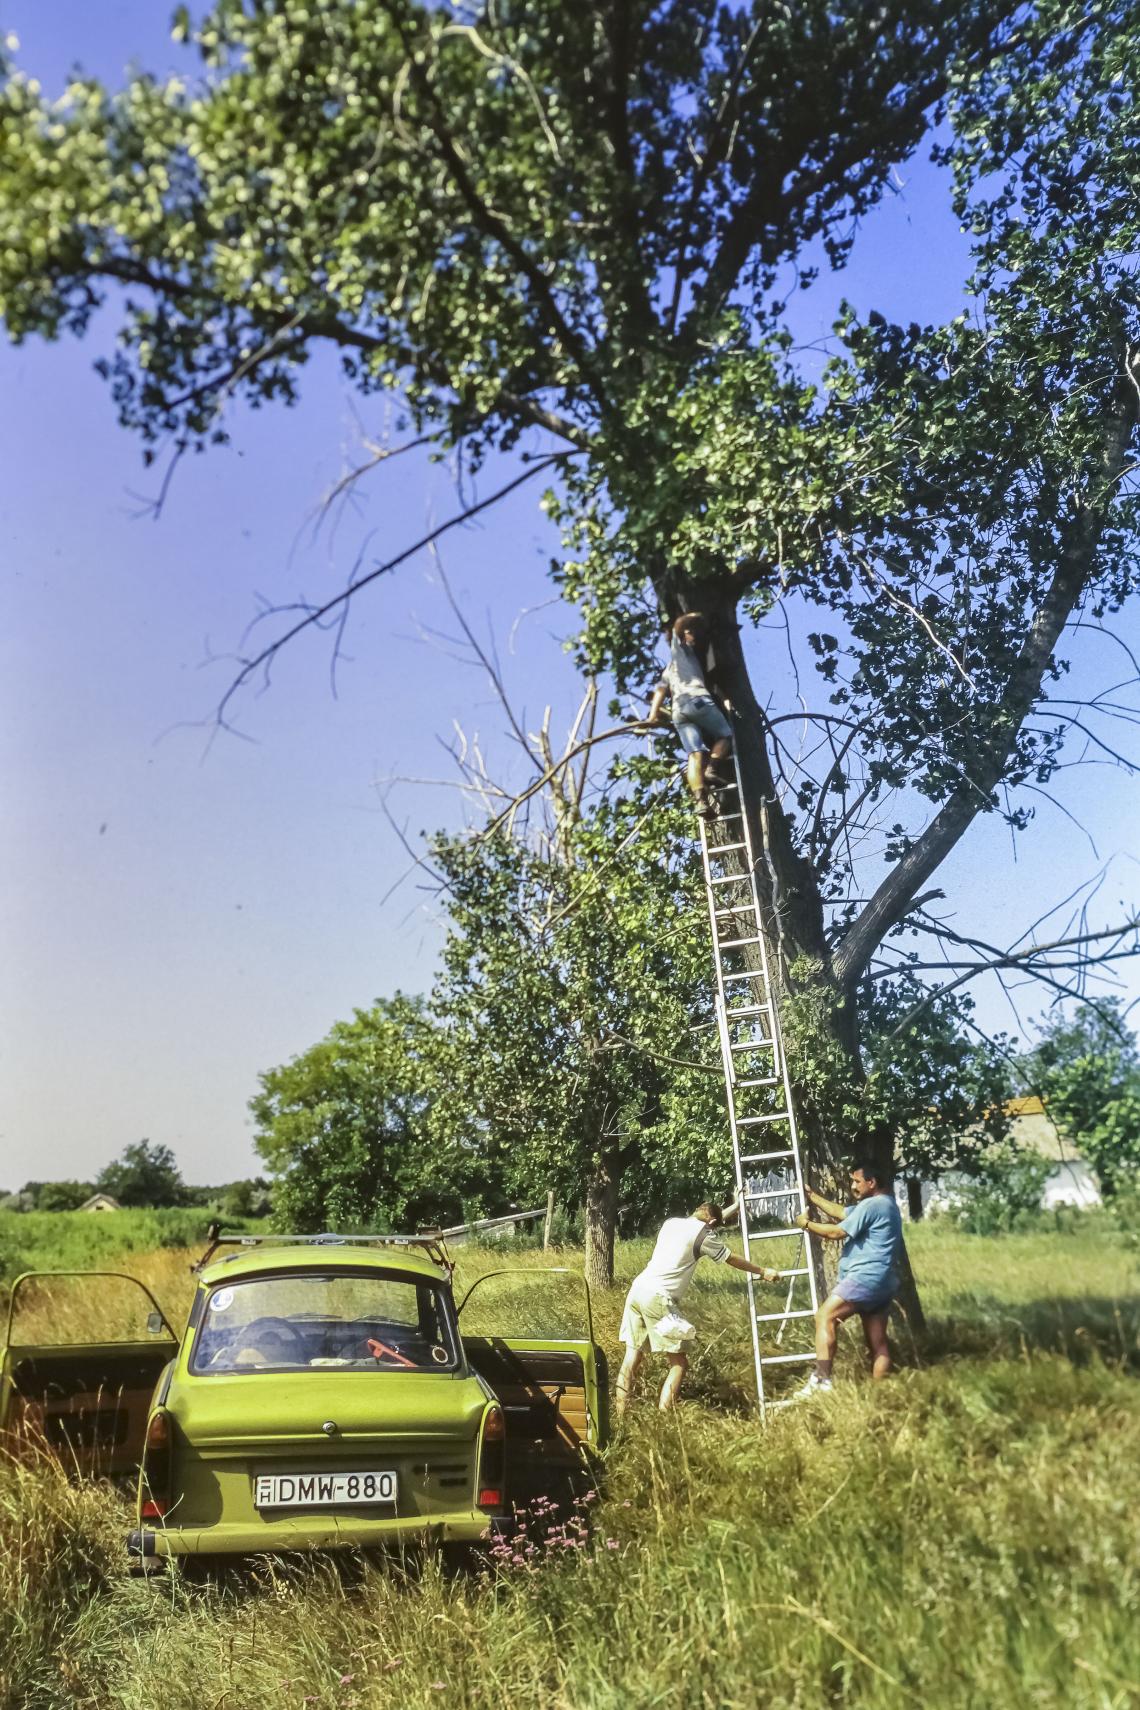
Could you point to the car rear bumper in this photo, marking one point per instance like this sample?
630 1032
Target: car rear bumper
314 1532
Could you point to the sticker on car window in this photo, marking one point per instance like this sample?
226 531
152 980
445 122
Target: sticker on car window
440 1355
223 1298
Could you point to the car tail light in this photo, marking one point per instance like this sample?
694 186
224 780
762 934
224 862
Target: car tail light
154 1486
492 1460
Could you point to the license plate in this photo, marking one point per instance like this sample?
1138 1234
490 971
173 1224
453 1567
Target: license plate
323 1490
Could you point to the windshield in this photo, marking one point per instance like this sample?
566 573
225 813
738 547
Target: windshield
323 1320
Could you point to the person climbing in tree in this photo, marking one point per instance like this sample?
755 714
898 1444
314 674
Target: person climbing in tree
698 719
652 1317
871 1232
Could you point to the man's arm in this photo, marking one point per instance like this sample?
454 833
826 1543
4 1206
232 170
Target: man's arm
826 1231
827 1206
761 1271
732 1211
655 705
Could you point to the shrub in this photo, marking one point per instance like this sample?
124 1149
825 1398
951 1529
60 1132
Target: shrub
1004 1194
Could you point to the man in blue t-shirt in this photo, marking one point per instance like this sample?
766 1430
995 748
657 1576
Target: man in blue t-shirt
871 1232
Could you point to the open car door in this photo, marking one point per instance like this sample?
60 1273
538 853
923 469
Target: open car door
553 1387
86 1400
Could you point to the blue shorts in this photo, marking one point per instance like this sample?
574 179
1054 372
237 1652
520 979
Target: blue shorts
866 1298
699 724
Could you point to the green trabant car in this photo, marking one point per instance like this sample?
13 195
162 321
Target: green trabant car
323 1396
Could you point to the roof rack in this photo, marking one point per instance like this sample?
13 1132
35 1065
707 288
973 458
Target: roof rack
430 1242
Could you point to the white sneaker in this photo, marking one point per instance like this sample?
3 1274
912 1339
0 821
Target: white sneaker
815 1385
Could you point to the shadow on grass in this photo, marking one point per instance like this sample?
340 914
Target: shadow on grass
1097 1327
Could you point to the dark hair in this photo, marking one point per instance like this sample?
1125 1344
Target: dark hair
709 1213
873 1168
697 622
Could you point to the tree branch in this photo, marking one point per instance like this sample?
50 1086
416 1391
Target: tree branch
490 223
1007 960
1075 564
556 766
761 207
316 614
127 271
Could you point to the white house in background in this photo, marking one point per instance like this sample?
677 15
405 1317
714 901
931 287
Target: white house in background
1072 1182
100 1202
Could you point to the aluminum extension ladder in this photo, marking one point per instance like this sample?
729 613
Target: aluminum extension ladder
765 1140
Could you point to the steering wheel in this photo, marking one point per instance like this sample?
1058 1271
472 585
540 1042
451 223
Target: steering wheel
250 1332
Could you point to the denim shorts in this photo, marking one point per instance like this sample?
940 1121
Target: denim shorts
867 1298
700 723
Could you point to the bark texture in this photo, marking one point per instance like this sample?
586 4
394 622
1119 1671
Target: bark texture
601 1220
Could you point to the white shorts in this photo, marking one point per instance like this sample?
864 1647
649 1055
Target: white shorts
652 1317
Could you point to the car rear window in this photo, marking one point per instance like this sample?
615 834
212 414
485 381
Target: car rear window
321 1321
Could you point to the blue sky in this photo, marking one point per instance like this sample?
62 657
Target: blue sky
177 915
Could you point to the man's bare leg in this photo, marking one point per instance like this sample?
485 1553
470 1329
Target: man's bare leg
674 1378
720 770
875 1332
627 1378
695 771
831 1314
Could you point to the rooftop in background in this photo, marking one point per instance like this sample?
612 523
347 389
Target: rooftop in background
1035 1129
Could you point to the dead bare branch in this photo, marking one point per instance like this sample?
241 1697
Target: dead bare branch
315 615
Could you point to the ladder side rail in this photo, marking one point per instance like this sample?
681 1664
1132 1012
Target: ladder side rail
777 1034
730 1098
798 1190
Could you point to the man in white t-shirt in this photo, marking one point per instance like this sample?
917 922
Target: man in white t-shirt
652 1318
698 718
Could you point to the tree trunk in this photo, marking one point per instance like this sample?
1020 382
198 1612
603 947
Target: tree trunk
914 1198
601 1220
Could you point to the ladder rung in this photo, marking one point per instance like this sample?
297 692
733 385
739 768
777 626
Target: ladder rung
802 1272
736 943
760 1081
724 848
748 974
755 1121
732 879
731 913
772 1234
772 1317
789 1192
748 1009
784 1359
763 1157
753 1044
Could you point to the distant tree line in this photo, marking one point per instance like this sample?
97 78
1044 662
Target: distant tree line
144 1175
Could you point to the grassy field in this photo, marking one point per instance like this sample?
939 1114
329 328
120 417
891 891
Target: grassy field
61 1240
963 1537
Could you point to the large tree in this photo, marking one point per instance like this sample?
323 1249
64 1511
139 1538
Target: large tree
574 226
345 1130
144 1174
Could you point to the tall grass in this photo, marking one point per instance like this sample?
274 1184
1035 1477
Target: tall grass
84 1240
962 1537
